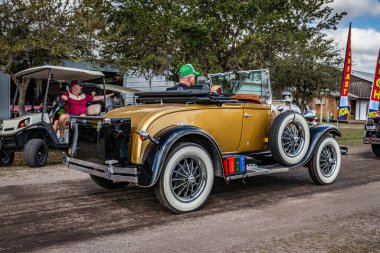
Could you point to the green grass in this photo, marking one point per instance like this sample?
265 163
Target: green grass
352 134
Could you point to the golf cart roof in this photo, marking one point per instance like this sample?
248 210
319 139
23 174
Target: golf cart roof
59 73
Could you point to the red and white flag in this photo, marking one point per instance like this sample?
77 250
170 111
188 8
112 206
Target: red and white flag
375 93
344 107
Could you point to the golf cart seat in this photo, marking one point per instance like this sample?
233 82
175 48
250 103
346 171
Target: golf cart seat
93 110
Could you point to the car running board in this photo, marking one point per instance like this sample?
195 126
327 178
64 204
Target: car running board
254 170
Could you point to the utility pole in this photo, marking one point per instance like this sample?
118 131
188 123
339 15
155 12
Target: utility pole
327 111
321 115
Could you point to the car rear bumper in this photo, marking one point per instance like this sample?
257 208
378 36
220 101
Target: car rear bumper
108 171
371 137
371 140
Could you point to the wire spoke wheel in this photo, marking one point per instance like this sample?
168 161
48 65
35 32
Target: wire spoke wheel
328 161
293 139
289 138
188 179
325 164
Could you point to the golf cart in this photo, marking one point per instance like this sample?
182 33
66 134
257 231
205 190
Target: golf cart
33 133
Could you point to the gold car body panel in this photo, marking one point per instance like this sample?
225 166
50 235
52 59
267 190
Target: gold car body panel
224 123
256 119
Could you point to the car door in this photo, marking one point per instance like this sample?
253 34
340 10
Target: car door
255 130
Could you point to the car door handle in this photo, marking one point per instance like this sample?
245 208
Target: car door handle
247 115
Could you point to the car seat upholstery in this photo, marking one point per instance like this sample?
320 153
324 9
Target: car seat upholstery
94 109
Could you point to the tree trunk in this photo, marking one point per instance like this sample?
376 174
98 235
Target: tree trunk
22 87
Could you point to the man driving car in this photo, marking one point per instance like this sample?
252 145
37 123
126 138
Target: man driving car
75 105
188 77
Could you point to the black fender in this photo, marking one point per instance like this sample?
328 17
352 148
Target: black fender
156 154
316 134
43 128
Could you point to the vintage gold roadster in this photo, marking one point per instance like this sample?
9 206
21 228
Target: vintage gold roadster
178 141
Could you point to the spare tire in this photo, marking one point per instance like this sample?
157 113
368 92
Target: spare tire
289 138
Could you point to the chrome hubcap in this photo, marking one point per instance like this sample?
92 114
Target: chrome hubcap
188 179
327 161
293 139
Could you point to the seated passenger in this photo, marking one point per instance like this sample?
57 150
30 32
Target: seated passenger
75 105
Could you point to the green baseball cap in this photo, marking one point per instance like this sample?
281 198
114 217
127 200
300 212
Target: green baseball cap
187 69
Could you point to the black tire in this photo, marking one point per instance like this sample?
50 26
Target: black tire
188 167
325 164
376 149
289 138
6 157
108 184
36 153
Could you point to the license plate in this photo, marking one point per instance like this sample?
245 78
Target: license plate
371 127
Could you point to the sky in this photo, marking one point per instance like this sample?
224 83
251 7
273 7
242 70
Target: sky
365 33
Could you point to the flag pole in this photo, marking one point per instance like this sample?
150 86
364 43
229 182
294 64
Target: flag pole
344 108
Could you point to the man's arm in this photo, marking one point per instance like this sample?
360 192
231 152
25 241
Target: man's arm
101 97
64 97
217 89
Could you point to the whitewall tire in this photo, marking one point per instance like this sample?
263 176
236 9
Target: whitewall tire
186 179
289 138
325 164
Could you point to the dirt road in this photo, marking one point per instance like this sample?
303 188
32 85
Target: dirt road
59 210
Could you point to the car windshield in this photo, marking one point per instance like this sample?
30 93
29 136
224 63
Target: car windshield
255 82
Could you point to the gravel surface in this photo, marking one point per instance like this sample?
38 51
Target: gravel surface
55 209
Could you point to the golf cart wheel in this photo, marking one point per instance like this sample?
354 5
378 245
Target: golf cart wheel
6 157
36 153
289 138
186 179
325 164
376 149
108 184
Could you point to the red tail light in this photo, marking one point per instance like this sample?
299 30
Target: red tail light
225 166
231 164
